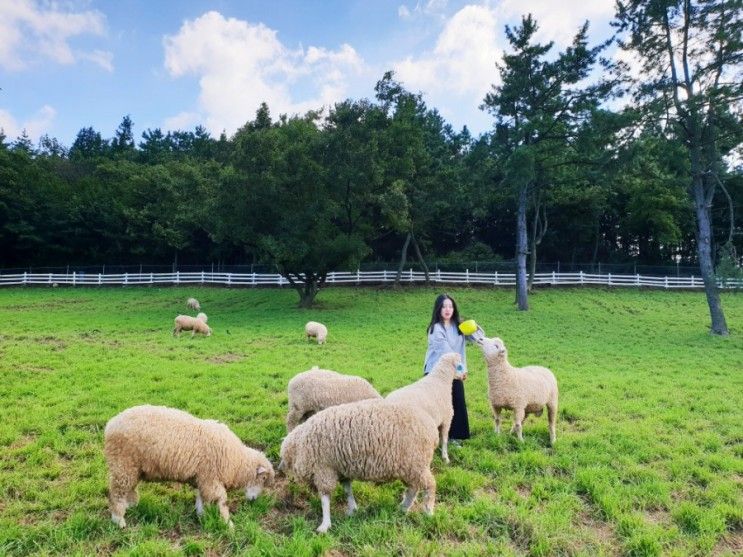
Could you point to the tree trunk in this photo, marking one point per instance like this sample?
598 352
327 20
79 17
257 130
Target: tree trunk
307 289
538 230
403 257
522 249
420 257
704 250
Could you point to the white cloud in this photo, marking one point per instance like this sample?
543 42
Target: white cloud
558 21
457 73
101 57
182 121
30 30
435 8
240 64
35 126
461 67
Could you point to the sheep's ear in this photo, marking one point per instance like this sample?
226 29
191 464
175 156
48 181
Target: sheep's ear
261 470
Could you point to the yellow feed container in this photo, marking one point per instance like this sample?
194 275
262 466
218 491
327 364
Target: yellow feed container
468 327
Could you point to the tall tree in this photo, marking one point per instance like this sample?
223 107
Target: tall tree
537 105
690 53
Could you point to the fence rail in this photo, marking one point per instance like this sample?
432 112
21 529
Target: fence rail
358 277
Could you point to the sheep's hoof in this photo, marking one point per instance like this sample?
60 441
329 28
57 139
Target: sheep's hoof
322 528
230 525
119 521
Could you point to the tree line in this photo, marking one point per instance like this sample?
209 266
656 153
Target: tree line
561 176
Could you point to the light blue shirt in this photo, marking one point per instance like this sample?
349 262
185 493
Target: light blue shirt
443 340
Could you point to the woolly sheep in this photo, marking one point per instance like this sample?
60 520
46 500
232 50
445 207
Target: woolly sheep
432 394
317 389
372 440
160 443
316 330
194 324
525 390
193 303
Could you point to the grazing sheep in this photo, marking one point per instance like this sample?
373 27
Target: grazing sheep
372 440
194 324
317 389
193 303
317 330
432 394
525 390
159 443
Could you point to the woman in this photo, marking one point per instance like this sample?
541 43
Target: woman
444 336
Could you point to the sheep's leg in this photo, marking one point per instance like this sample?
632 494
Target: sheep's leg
199 504
409 498
552 417
213 491
325 482
429 492
444 439
496 412
132 497
325 502
293 419
121 484
518 418
352 506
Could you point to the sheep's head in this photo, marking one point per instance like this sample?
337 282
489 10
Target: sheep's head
264 476
493 349
202 317
448 363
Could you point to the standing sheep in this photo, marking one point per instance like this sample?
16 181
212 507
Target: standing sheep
317 389
372 440
159 443
432 394
194 324
316 330
525 390
193 303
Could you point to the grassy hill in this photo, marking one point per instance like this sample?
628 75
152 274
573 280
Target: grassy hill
648 461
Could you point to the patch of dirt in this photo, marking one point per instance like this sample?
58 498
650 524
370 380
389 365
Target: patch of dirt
731 544
227 358
54 342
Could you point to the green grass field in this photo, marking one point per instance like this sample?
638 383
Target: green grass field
648 461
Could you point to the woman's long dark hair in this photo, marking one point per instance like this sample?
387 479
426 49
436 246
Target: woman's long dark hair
436 316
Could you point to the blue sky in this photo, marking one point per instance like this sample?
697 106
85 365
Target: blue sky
65 65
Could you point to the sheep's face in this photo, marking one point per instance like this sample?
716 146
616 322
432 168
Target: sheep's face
202 317
264 475
493 348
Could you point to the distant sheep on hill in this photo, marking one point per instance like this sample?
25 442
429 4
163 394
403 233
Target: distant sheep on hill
316 330
193 303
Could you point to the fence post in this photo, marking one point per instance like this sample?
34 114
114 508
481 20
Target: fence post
438 275
25 277
496 278
692 281
384 275
665 279
411 274
202 276
467 276
358 276
609 279
49 279
99 279
229 280
177 277
581 277
637 279
252 280
74 275
553 278
126 278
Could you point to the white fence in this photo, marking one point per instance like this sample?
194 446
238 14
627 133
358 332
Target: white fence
358 277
